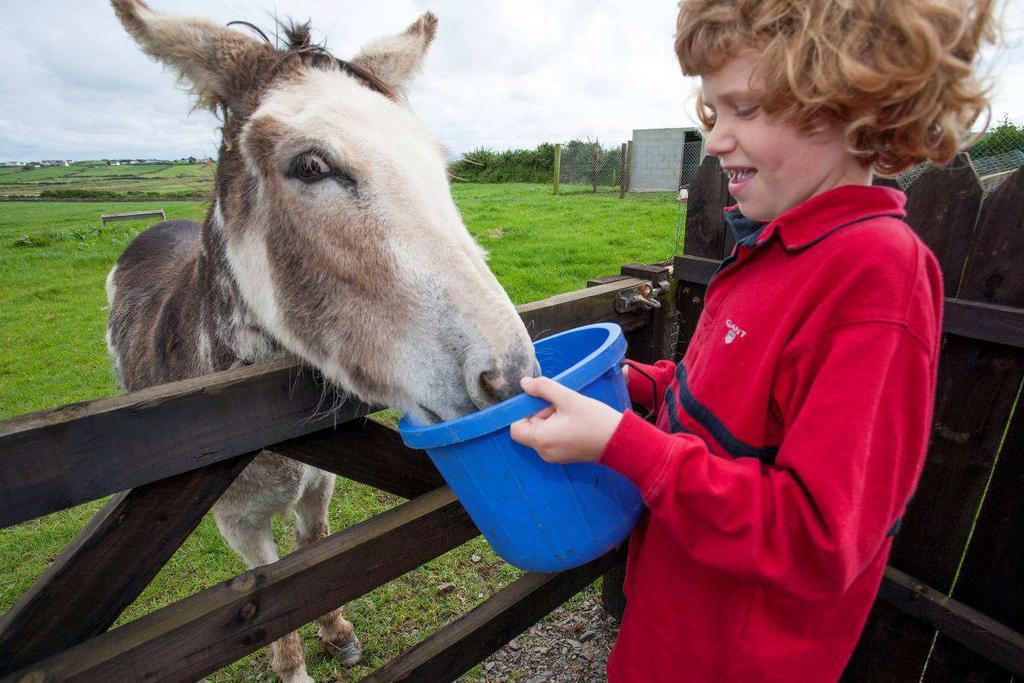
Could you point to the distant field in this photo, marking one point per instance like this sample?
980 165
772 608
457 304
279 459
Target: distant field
195 179
56 256
53 260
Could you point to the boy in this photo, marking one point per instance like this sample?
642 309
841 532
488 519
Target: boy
791 436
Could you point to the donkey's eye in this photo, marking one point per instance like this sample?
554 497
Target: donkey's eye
310 168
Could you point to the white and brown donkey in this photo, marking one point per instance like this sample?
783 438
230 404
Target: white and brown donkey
332 236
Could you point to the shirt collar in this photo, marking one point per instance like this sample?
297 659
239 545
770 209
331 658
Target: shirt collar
745 230
815 219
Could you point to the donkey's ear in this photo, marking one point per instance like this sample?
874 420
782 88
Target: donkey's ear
394 59
218 63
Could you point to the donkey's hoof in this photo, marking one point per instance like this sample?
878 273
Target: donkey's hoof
348 652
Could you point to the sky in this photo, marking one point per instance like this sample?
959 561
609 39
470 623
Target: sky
502 74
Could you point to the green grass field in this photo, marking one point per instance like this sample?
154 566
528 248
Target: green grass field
54 258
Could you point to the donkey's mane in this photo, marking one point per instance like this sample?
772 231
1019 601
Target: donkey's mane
298 44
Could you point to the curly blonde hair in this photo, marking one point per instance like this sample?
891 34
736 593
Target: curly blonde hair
898 76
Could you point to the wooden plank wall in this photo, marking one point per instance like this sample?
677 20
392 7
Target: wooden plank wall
979 243
992 575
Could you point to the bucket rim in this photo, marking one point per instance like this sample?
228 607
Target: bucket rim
501 415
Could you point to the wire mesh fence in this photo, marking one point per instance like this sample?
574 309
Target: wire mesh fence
995 156
589 167
656 160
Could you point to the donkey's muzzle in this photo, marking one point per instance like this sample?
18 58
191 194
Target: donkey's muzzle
499 380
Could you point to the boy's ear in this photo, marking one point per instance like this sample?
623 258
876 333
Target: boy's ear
394 59
217 62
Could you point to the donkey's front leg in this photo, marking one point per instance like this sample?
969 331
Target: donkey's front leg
311 525
253 540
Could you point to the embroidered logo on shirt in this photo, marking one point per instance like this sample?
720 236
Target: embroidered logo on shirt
734 332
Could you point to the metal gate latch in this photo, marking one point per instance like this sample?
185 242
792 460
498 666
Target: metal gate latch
640 297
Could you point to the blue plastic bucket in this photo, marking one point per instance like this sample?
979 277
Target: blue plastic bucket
539 516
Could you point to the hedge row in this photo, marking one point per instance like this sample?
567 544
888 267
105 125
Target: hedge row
511 166
108 194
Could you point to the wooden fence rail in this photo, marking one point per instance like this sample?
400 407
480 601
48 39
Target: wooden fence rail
456 648
53 459
953 606
214 627
110 563
131 216
969 319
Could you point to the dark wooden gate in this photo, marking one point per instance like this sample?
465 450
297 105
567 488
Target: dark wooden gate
172 450
952 606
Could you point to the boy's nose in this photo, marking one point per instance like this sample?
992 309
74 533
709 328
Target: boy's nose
720 140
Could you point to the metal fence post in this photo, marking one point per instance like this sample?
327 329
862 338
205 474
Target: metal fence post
558 165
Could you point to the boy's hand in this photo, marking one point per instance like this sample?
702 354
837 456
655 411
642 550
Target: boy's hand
573 428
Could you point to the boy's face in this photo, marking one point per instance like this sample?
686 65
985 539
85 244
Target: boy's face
773 166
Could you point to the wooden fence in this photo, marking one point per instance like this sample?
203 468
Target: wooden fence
953 596
172 450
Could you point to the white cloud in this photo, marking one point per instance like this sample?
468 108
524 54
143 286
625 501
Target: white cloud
1005 63
502 73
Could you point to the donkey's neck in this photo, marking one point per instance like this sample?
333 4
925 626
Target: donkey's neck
230 331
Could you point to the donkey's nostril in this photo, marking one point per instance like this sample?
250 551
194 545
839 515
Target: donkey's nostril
494 386
492 380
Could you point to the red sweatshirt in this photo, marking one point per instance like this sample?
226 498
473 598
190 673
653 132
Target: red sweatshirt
788 443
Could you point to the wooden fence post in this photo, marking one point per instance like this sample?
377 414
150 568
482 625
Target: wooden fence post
649 344
629 164
705 238
613 598
595 166
558 165
622 171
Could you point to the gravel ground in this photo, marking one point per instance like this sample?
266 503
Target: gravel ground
569 646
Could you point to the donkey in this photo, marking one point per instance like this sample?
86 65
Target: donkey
331 236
